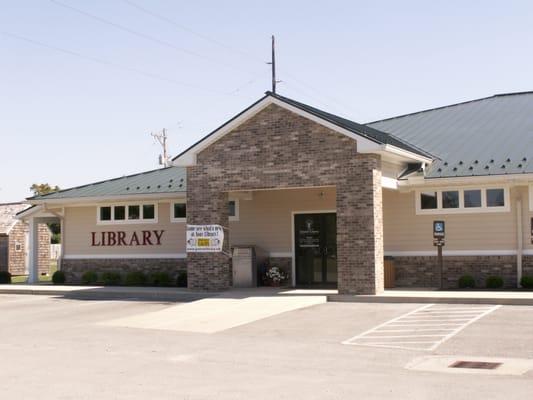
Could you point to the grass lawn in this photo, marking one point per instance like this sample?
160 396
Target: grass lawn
42 278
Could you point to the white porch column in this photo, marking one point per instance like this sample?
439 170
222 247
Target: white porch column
33 255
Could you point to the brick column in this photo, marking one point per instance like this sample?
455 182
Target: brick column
360 228
207 204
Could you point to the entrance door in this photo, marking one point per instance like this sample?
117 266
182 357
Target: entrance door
316 249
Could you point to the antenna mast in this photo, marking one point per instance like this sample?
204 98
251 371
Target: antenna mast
273 64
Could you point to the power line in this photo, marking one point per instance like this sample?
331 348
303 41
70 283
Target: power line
111 64
228 47
144 36
187 29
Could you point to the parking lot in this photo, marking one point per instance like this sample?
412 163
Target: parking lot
56 348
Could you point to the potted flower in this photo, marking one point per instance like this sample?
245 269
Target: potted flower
274 276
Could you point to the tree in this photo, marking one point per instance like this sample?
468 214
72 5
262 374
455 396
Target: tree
39 189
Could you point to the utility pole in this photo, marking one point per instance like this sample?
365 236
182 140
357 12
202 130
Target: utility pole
273 64
161 137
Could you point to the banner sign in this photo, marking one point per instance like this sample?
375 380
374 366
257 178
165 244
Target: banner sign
204 238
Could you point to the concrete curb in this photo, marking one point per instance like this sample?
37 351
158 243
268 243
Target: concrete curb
112 293
430 299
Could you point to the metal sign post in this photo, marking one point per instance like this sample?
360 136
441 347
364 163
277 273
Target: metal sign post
439 231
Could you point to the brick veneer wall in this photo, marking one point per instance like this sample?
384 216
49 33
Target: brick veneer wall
17 259
74 268
280 149
527 265
423 271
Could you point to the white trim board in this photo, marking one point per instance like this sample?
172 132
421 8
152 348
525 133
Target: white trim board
123 256
456 253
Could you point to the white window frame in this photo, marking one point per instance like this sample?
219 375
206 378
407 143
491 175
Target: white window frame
237 210
172 218
462 209
127 221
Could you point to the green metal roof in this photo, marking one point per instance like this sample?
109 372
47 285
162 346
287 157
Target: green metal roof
164 180
488 136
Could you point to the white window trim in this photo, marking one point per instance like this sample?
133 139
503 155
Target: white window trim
462 209
127 221
172 218
237 210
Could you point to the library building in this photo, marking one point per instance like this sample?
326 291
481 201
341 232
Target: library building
332 203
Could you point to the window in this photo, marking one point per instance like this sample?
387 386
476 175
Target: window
148 211
428 200
134 212
127 213
450 199
179 212
472 198
467 200
105 213
233 210
495 198
120 213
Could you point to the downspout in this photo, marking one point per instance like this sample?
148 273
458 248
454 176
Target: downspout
519 241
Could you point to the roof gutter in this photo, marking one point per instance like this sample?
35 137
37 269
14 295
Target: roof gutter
77 200
400 153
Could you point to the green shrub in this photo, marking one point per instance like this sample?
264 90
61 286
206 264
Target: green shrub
160 279
89 277
5 277
58 278
494 282
527 282
111 278
466 281
135 278
182 279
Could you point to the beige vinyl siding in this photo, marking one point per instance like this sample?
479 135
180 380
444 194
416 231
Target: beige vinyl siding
406 231
266 220
81 221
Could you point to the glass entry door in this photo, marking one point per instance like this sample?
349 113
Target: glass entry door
315 249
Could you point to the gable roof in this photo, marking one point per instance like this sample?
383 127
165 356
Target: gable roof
8 212
170 180
360 132
487 136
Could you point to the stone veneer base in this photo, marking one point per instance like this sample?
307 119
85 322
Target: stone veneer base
74 268
423 271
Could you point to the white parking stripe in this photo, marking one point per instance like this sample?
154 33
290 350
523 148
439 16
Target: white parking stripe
424 328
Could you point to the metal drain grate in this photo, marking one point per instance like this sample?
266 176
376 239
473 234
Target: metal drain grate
475 365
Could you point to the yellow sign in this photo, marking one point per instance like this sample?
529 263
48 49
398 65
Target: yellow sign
203 242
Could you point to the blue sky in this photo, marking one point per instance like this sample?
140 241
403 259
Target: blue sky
70 119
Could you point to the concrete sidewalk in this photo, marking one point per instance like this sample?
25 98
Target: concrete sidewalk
440 296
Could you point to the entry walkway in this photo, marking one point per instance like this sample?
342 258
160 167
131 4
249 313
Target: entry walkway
225 311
